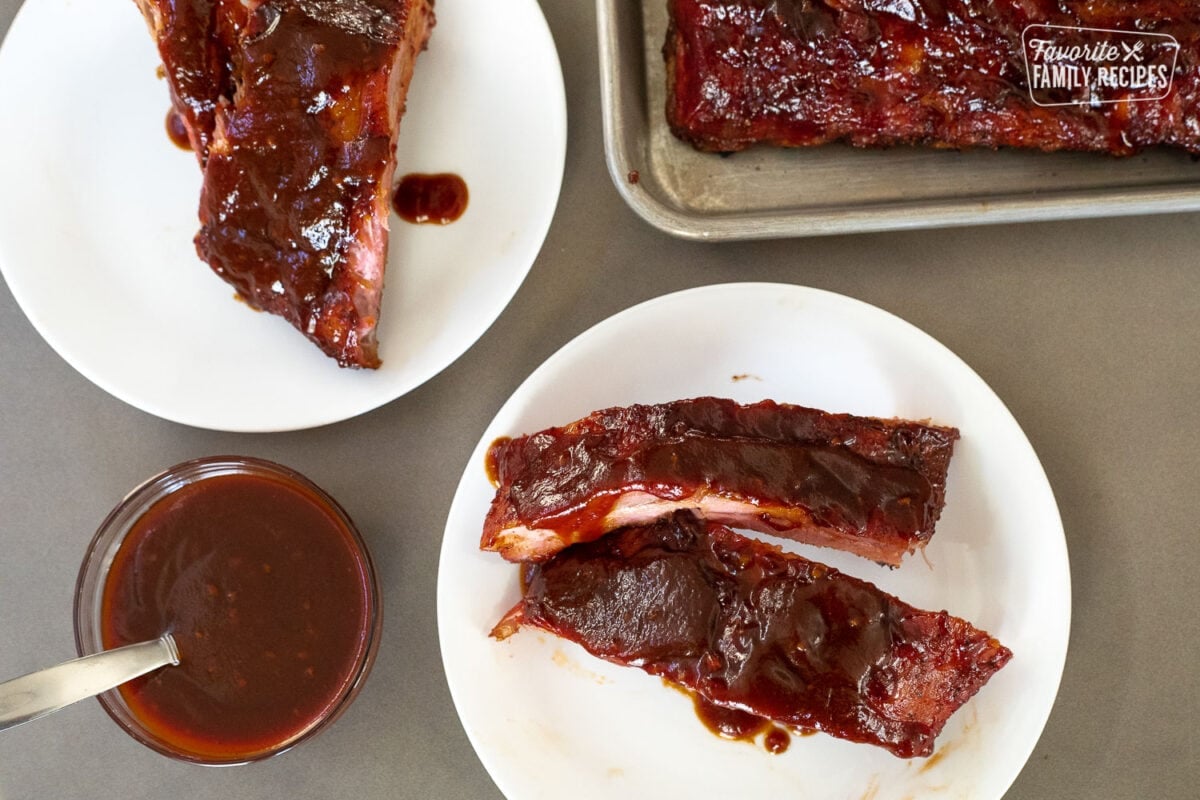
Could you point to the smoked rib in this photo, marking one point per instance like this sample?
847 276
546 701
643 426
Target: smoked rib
946 73
293 108
870 486
748 627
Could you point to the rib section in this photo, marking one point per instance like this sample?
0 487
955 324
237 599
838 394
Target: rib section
748 627
870 486
945 73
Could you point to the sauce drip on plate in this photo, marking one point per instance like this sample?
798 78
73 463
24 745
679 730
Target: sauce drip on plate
436 199
733 723
177 130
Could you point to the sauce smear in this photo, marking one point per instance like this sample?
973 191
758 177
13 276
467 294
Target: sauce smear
435 199
268 595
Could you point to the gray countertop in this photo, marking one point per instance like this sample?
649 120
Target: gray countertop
1088 330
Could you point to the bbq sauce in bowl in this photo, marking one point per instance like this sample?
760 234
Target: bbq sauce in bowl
268 591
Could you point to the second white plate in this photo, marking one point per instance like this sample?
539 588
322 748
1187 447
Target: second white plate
548 720
98 211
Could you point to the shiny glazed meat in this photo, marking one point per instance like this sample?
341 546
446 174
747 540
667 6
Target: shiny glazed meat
746 626
293 108
947 73
872 487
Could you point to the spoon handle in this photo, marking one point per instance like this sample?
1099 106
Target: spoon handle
45 691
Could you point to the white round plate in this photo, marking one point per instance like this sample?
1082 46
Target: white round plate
548 720
98 210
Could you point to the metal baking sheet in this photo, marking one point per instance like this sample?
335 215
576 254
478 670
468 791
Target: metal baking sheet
769 192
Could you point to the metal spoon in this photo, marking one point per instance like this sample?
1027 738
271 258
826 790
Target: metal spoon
46 691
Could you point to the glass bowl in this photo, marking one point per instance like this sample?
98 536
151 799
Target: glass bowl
144 513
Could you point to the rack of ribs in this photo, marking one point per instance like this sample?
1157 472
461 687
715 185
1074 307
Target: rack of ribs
293 108
870 486
946 73
748 627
